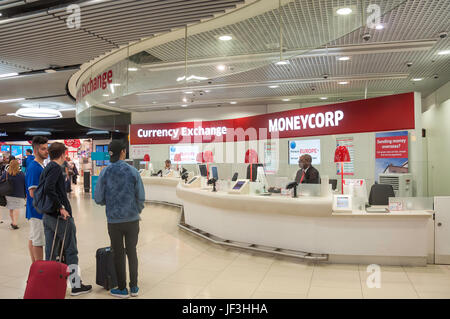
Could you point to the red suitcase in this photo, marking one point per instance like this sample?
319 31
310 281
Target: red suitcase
48 279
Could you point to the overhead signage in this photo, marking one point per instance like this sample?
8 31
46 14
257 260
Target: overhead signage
301 147
387 113
101 81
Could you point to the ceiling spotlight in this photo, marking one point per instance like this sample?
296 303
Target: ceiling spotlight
379 27
38 113
207 91
283 62
344 11
444 52
188 92
344 58
225 38
105 95
7 75
234 102
132 69
185 100
286 100
417 79
221 67
112 102
154 102
324 98
184 105
273 86
12 100
343 82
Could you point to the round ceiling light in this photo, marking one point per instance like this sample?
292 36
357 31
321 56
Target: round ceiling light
379 27
344 58
286 100
38 113
343 82
417 79
324 98
282 62
273 86
444 52
233 102
221 67
344 11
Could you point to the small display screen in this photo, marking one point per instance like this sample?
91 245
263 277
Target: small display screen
192 180
215 173
238 185
203 171
342 202
6 148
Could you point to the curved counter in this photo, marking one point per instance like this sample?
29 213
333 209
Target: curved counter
308 224
161 189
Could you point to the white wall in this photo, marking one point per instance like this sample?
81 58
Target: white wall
436 120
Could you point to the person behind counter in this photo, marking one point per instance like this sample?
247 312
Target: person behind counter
307 174
167 167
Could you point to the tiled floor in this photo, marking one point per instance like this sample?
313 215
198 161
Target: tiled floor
175 264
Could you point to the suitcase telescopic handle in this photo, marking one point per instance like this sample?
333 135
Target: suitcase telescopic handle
54 238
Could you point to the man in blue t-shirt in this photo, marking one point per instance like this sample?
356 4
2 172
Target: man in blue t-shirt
28 159
34 170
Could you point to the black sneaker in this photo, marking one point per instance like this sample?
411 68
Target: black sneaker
14 226
84 289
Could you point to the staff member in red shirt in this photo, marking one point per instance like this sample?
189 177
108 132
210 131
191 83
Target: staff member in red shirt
307 174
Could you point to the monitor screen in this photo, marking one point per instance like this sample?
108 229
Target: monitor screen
16 151
298 148
238 185
215 173
342 202
25 148
6 148
203 171
192 180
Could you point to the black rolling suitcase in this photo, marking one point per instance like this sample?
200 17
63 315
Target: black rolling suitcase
106 272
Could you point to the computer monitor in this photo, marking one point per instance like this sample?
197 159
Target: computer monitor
215 172
203 170
254 171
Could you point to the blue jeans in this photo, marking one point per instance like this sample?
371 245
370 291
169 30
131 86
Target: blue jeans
70 243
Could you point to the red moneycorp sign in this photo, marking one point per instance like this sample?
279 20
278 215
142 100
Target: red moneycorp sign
387 113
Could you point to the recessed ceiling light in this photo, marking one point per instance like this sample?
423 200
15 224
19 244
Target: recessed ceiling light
225 38
7 75
379 27
274 86
343 82
132 69
221 67
112 102
105 95
207 91
324 98
188 92
283 62
344 11
417 79
344 58
12 100
444 52
234 102
184 100
39 113
154 102
183 105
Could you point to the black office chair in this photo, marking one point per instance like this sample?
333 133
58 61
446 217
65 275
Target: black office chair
333 183
380 193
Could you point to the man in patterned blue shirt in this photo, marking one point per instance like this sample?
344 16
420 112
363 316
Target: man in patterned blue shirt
120 188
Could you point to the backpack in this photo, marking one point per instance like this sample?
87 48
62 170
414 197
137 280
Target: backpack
41 202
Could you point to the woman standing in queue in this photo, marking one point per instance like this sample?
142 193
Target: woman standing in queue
16 200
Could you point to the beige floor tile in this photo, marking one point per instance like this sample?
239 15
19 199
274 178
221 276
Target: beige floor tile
250 259
244 274
277 295
390 291
284 284
334 293
192 276
228 289
11 293
434 295
171 290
